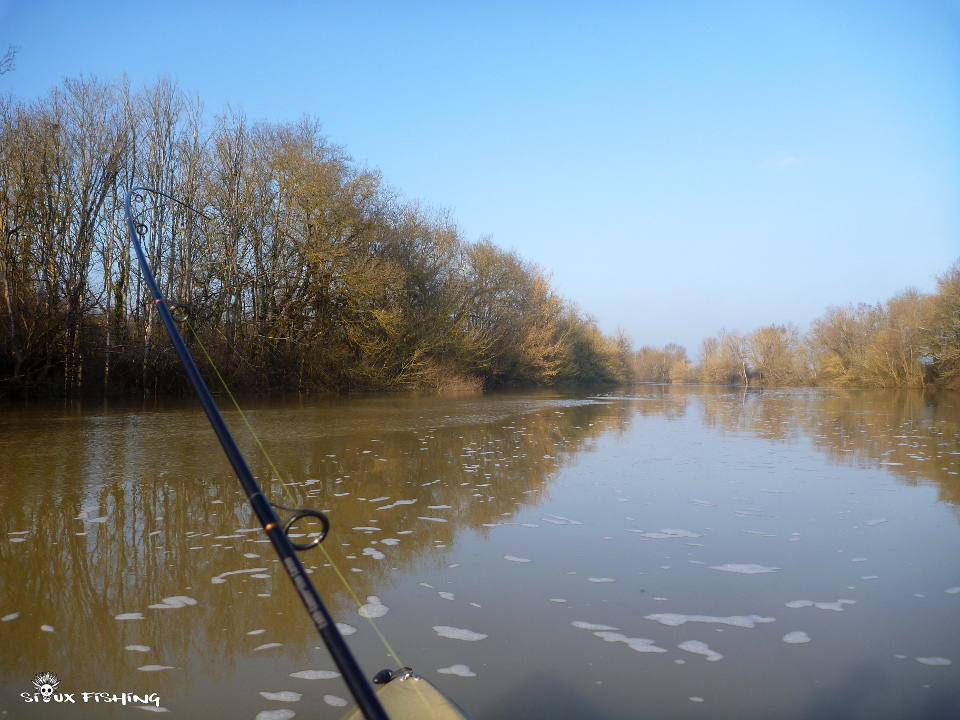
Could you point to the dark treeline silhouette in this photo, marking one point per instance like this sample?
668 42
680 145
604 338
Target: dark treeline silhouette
304 272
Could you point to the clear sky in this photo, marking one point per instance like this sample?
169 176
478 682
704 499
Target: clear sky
679 166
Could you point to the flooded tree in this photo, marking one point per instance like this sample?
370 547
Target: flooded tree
773 353
300 270
941 335
661 364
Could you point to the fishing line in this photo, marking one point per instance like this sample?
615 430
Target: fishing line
359 686
287 490
173 314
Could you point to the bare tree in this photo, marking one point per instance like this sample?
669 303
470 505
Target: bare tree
7 61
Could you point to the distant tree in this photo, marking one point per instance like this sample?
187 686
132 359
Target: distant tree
680 365
723 359
773 354
626 368
873 345
661 364
942 333
588 357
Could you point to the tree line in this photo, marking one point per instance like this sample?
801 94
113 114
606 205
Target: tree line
911 340
301 271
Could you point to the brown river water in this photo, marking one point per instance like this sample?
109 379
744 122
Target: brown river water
674 552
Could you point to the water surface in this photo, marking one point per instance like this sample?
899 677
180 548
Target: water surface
676 552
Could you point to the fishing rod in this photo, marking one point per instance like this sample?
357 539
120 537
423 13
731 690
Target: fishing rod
362 691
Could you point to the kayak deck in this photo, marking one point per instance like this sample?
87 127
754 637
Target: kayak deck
407 696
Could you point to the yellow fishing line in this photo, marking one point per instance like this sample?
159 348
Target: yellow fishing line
287 490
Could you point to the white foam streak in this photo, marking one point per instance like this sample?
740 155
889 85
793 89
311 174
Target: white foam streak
177 601
458 633
641 645
591 626
275 715
396 504
373 608
745 568
461 670
315 674
936 661
675 619
220 578
282 696
700 648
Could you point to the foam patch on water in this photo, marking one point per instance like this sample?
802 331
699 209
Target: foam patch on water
282 696
461 670
334 700
374 553
177 601
744 569
458 633
641 645
446 595
267 646
675 619
513 558
796 638
346 629
951 591
878 521
669 533
937 661
221 577
432 519
129 616
397 504
47 628
138 648
155 668
275 715
700 648
591 626
835 606
600 580
373 608
14 616
315 674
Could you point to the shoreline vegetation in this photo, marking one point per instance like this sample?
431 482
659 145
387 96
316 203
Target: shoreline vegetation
308 273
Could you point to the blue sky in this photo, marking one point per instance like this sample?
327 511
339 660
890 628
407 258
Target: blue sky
679 166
